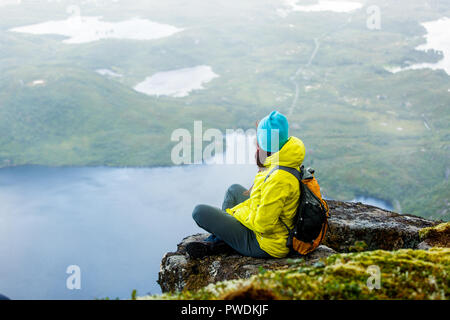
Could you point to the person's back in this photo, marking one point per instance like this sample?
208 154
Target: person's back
255 223
273 201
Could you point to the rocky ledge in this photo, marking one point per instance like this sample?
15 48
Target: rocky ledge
352 227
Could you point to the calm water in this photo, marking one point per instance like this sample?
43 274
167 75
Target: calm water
438 39
82 29
115 224
334 6
374 202
177 83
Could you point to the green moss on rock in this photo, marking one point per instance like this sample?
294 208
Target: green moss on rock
437 236
358 246
405 274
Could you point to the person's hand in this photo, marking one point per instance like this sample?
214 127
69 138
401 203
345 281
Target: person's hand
247 192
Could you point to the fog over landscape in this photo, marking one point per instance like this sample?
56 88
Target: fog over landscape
92 91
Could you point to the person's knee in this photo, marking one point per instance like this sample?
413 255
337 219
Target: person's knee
199 212
235 188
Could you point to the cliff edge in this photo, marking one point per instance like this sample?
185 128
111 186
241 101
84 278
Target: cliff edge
354 227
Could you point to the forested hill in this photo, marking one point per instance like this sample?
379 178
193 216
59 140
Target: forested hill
367 130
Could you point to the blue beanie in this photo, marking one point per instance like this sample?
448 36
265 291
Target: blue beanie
264 133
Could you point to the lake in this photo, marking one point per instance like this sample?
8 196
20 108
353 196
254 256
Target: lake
334 6
320 6
114 223
374 202
84 29
438 39
176 83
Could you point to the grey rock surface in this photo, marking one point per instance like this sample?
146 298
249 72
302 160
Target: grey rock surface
349 223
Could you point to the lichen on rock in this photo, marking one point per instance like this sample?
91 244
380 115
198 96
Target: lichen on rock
404 274
437 236
178 271
377 228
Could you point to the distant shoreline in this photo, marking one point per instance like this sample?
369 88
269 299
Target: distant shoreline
89 166
386 203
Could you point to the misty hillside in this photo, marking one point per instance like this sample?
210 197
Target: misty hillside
367 130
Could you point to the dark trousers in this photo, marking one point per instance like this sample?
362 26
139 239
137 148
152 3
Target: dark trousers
226 227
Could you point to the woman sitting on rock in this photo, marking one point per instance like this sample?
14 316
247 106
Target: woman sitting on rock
252 221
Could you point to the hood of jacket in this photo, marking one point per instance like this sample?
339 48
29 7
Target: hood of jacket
291 154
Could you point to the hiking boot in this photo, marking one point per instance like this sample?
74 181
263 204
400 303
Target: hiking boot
200 249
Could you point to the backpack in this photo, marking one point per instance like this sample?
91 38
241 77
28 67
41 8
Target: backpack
311 219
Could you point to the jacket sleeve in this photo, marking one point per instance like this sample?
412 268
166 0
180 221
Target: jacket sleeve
273 197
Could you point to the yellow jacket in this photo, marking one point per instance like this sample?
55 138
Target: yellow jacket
273 200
